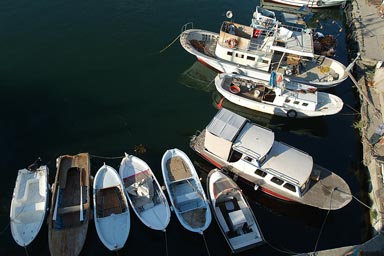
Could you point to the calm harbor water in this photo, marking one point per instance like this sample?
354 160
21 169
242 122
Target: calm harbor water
91 76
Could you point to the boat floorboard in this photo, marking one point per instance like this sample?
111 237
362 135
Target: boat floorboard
177 169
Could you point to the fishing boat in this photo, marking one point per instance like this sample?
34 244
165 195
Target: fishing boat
111 210
322 44
311 3
232 212
283 98
185 191
251 153
144 193
70 210
256 52
29 204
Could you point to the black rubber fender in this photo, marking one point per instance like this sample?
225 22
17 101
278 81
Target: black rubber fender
291 113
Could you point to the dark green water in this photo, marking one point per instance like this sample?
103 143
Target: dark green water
88 76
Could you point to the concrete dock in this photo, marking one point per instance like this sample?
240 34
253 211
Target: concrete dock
365 26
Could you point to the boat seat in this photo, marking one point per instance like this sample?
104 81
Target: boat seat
75 208
32 184
187 197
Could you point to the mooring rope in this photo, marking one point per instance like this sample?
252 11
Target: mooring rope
107 157
206 245
277 249
166 242
170 44
325 219
26 251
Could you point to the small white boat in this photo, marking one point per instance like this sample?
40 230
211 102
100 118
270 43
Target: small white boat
111 210
256 52
29 204
283 98
70 210
232 212
144 193
185 191
311 3
250 152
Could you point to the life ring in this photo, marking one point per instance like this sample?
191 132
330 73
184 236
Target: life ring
312 90
234 89
232 43
319 3
291 113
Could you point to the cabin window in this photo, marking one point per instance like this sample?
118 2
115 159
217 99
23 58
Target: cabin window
235 156
229 53
296 102
305 104
240 55
277 181
287 100
265 61
248 158
260 173
289 187
251 58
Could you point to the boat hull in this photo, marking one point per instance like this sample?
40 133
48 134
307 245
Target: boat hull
208 47
233 213
311 4
144 193
185 191
29 204
328 190
70 206
111 210
251 95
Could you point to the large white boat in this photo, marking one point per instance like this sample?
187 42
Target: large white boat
282 98
250 152
311 3
256 52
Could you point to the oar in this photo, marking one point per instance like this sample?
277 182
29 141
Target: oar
81 196
57 202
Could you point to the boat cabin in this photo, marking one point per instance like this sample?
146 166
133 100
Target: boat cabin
253 151
265 48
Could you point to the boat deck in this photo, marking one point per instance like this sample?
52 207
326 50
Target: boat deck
109 201
177 169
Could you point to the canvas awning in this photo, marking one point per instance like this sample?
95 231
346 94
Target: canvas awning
226 124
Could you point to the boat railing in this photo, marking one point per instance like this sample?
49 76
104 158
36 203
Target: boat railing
186 26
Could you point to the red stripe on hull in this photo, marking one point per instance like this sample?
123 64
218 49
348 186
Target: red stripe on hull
207 65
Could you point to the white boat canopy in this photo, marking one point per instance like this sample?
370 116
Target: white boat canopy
226 124
228 129
254 141
292 165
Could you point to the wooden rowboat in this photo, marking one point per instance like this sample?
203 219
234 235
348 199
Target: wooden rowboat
70 208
